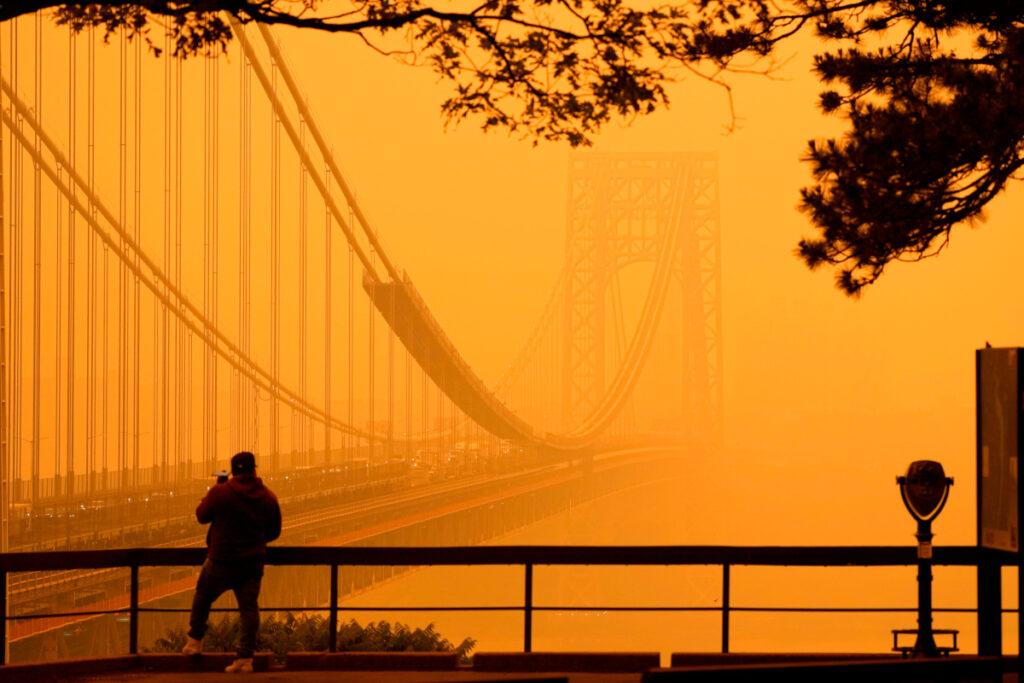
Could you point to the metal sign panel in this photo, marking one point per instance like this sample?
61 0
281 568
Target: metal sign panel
999 410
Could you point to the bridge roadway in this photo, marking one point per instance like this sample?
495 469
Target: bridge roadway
162 509
421 515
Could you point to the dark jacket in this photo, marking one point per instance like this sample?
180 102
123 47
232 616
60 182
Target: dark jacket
245 516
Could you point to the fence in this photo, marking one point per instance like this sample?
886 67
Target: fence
988 563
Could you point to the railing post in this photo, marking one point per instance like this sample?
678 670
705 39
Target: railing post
528 610
133 612
332 622
725 608
990 607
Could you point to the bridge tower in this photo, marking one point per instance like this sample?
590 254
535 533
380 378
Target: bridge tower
620 208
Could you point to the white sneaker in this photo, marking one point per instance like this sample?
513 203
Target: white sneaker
192 646
240 666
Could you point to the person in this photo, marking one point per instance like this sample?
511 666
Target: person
244 516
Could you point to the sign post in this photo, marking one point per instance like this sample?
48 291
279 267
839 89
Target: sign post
1000 399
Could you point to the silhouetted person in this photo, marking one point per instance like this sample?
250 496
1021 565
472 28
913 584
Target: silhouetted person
244 516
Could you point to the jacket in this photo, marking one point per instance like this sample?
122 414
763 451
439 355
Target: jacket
244 516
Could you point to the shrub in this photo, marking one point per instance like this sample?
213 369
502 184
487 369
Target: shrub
309 633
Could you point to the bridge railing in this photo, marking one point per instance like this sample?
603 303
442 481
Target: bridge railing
988 563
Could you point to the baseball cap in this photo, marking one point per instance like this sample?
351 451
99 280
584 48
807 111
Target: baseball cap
243 463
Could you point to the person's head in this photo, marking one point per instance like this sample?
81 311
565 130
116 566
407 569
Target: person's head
243 463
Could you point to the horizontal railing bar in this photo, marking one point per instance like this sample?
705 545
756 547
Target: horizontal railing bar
849 609
718 608
186 610
509 608
342 608
827 556
468 608
64 615
607 608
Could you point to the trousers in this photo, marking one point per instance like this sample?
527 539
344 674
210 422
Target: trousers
243 578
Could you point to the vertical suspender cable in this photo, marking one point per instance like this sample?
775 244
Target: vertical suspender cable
298 429
391 379
122 279
163 386
246 182
349 378
136 407
58 403
37 268
305 442
209 358
105 367
183 387
327 325
371 427
243 240
90 272
157 356
243 221
70 467
440 424
206 261
424 399
215 249
236 377
15 293
424 402
178 418
408 407
298 426
4 451
247 249
275 279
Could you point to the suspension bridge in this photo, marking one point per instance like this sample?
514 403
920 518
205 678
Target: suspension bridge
188 274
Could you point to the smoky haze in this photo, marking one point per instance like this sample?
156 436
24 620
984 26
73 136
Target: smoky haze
826 399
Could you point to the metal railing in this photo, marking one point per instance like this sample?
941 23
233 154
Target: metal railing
989 607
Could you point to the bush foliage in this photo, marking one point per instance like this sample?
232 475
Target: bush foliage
309 633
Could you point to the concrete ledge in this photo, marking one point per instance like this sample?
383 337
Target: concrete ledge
372 661
66 668
170 662
938 670
611 662
728 658
205 662
208 661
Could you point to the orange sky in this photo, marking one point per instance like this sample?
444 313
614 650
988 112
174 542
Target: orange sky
827 399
